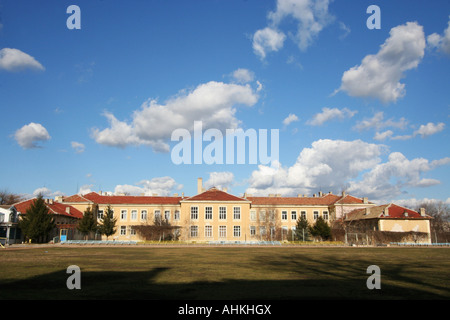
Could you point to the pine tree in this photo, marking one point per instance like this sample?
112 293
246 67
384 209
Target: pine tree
321 229
302 230
37 223
108 226
88 223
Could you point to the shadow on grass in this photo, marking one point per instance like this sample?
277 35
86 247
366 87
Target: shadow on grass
141 285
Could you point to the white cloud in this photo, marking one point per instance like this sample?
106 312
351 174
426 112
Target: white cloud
162 186
267 40
16 60
84 189
289 119
377 122
219 180
383 135
328 114
28 136
442 43
379 75
333 165
327 164
213 103
429 129
310 18
242 75
388 179
77 146
46 192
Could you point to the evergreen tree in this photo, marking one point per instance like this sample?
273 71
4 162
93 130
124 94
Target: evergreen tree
302 230
321 229
108 226
37 223
88 223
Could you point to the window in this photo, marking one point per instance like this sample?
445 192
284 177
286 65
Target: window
237 213
123 230
262 215
253 215
283 215
123 215
222 213
194 231
237 231
325 215
194 213
167 215
262 231
133 214
316 215
303 215
144 215
222 231
293 215
272 215
252 231
100 214
176 215
208 213
157 215
132 231
208 231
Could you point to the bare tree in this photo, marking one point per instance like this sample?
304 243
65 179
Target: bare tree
7 198
440 224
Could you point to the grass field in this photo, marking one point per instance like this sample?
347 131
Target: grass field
210 273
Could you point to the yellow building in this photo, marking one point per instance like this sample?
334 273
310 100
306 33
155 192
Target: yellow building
216 215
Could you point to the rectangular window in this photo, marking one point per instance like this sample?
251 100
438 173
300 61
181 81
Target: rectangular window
167 215
222 231
294 215
123 215
157 215
100 214
176 215
316 215
253 215
303 215
262 231
144 215
194 231
133 214
283 215
208 213
194 213
237 231
325 215
123 230
272 215
132 231
252 231
208 231
223 213
237 213
262 215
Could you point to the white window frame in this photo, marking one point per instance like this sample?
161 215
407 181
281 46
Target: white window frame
222 213
167 215
325 215
208 215
237 213
284 215
193 231
208 231
144 215
194 213
236 231
123 230
294 215
134 214
315 215
222 231
176 215
123 214
253 215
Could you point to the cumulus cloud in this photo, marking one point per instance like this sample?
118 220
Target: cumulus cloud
378 122
46 192
15 60
378 76
429 129
220 180
440 42
333 165
310 18
289 119
243 75
213 103
162 186
29 135
328 114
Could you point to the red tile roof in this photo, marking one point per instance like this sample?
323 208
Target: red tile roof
54 208
105 199
325 200
386 211
214 194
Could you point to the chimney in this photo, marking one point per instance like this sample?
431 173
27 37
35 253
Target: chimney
182 195
199 185
386 212
422 212
365 200
320 193
50 201
68 210
225 189
367 211
175 194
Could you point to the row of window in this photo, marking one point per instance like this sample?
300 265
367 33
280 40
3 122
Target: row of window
236 231
208 214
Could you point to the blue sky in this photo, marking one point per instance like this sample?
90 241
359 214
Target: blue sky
357 109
